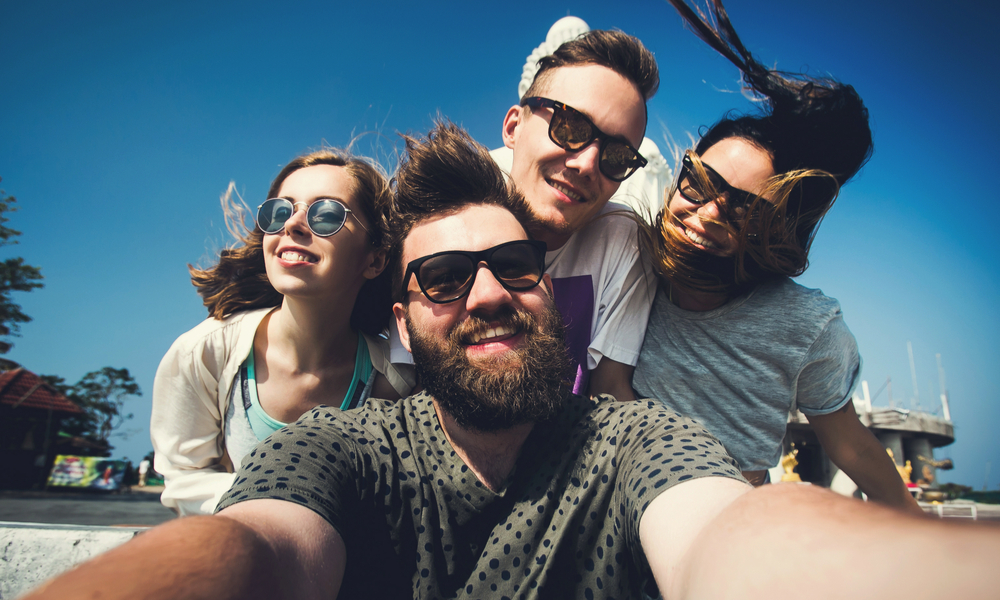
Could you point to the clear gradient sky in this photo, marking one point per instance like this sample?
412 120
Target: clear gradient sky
122 122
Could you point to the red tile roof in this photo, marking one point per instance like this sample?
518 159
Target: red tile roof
23 389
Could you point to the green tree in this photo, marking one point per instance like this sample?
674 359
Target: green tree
15 276
102 396
954 490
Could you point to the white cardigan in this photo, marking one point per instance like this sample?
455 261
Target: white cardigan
190 398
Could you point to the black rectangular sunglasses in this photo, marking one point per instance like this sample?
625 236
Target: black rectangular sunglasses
572 130
689 188
448 276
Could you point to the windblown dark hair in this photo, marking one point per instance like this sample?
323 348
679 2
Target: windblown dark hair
817 134
622 53
238 282
441 174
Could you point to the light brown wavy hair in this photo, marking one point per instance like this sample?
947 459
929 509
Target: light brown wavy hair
616 50
238 282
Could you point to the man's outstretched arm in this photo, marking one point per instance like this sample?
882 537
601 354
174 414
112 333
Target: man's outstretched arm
255 549
793 541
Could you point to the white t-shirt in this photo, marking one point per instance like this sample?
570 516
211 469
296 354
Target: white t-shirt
603 291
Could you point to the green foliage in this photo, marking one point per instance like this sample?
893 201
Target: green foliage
15 276
954 490
102 396
983 497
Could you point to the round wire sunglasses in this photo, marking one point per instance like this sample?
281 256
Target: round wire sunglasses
324 217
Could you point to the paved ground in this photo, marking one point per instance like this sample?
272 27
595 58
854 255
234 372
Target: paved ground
141 507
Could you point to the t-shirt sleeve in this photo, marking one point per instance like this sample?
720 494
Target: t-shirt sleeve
311 462
830 370
659 449
400 373
626 294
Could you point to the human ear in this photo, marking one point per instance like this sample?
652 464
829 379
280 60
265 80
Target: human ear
399 311
379 261
548 286
510 123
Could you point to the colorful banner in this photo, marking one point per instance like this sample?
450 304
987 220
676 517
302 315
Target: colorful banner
87 472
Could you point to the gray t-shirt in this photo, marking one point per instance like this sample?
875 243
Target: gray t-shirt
740 368
418 523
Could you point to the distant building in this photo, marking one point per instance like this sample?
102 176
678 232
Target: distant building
31 412
911 435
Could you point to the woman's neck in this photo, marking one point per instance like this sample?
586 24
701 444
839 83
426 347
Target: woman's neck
311 334
695 301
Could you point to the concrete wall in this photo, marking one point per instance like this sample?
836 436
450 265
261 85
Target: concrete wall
33 553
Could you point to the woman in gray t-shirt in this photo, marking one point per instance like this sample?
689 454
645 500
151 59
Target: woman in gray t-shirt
731 340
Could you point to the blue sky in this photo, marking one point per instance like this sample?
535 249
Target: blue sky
121 124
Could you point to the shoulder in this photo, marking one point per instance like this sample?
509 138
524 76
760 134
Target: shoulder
646 434
503 157
809 312
608 242
212 342
212 330
646 417
379 413
400 377
607 408
377 428
780 307
615 223
794 295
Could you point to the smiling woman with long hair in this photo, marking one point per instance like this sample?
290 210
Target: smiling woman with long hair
732 340
296 315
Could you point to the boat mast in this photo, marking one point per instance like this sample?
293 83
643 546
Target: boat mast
945 409
913 377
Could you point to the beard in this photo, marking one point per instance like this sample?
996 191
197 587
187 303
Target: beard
527 384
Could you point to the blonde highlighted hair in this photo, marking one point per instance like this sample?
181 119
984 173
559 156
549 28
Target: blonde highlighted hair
816 133
767 234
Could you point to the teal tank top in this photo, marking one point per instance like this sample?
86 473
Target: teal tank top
264 425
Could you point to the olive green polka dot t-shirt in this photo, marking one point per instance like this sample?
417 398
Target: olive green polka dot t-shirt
417 522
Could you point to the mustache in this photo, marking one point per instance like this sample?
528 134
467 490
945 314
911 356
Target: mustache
479 323
526 384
